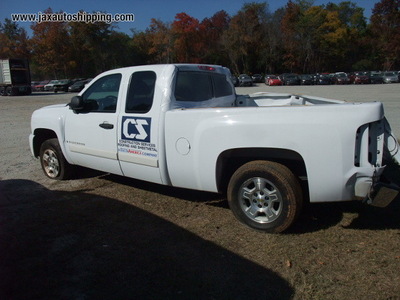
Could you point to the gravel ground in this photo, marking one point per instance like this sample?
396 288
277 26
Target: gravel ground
105 237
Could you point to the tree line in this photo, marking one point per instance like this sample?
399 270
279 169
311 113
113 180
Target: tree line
300 37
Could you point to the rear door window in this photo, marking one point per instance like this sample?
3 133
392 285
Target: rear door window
141 92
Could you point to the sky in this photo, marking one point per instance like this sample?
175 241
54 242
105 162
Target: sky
145 10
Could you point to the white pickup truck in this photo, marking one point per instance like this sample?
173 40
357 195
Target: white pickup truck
183 125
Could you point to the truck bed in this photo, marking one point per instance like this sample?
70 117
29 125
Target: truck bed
281 99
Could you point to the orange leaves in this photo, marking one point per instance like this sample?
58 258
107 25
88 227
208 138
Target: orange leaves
188 44
385 23
13 40
50 44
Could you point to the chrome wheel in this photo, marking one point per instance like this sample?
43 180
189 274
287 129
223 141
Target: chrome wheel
51 164
260 200
265 195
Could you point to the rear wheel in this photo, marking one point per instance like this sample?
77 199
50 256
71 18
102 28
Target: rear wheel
53 162
265 195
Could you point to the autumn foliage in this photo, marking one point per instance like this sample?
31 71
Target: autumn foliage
299 37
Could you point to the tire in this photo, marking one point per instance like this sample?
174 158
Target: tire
53 162
9 91
265 196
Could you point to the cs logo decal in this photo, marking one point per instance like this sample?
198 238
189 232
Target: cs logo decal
136 129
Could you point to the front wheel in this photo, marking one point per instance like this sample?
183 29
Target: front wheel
9 91
53 162
265 195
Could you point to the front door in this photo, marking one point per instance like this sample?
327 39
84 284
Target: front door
91 134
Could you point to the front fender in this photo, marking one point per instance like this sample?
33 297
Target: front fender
48 122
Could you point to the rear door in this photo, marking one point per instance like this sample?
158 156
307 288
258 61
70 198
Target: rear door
139 134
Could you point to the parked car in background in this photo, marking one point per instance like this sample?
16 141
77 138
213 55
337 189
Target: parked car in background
40 86
322 79
34 84
62 85
268 76
306 79
359 78
290 79
50 85
272 80
257 78
375 77
341 78
245 80
390 77
79 85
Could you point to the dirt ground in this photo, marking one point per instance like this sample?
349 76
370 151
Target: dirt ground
102 236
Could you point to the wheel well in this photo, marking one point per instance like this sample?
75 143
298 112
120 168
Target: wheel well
42 135
230 160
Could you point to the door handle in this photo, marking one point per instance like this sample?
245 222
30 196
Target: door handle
106 125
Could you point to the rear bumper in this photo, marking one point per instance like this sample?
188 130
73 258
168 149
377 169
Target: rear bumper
382 195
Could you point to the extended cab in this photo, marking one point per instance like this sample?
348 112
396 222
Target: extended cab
183 125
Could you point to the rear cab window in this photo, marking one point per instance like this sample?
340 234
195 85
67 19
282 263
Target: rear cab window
198 88
193 86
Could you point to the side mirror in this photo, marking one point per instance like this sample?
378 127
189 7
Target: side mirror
76 103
